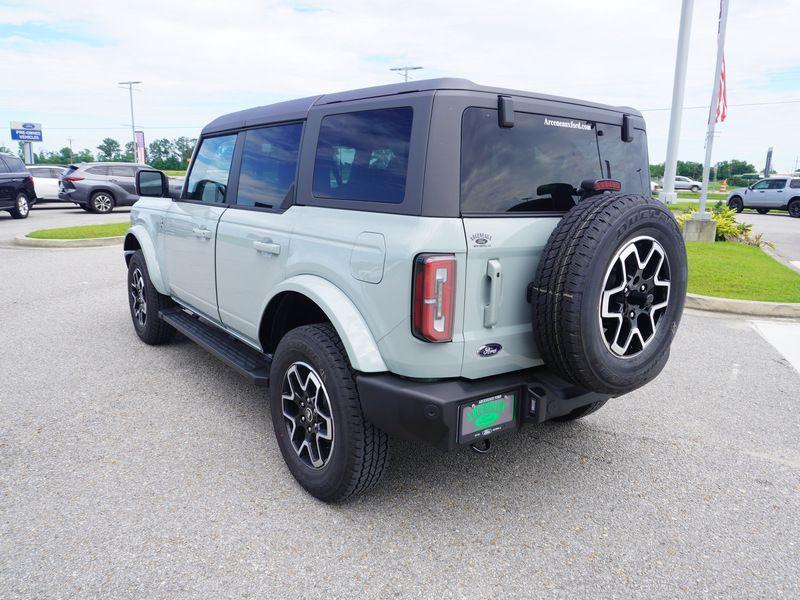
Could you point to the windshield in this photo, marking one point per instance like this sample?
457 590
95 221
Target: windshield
539 164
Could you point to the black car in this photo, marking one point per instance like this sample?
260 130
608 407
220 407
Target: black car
17 194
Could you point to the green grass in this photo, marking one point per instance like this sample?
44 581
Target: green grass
731 270
711 196
81 232
176 173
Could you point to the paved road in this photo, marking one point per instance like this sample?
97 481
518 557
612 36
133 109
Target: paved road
132 471
780 229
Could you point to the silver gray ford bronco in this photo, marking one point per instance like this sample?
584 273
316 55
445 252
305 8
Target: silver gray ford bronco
434 260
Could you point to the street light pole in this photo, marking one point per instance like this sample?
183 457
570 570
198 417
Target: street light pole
668 195
405 71
130 85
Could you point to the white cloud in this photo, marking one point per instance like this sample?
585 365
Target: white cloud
200 59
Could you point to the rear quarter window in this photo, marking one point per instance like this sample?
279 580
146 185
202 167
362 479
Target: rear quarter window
14 164
795 183
363 155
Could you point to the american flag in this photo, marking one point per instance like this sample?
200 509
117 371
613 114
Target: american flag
722 93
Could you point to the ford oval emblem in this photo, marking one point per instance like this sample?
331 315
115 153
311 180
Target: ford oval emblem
489 349
29 126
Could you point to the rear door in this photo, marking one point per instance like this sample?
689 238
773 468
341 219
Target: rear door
125 177
776 194
253 236
190 227
516 183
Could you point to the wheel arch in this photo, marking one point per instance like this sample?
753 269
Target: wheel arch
307 299
137 238
102 188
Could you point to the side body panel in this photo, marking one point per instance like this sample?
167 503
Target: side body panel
146 225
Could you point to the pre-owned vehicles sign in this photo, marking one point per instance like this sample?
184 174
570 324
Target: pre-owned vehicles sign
26 132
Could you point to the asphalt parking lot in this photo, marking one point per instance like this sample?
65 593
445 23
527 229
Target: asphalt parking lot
780 229
133 471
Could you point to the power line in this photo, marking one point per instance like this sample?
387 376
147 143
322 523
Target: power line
743 104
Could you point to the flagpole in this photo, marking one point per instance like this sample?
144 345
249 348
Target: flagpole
667 195
702 215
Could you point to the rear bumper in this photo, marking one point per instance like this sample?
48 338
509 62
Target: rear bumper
430 411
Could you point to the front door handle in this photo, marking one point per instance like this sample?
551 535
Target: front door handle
202 232
494 272
268 247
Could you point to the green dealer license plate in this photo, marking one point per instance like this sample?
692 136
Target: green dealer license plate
486 416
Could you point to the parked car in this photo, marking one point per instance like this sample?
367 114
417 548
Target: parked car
99 187
46 181
434 260
684 183
782 193
17 193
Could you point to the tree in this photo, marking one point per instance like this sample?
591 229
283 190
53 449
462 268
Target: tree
690 169
163 155
109 150
4 149
657 171
184 146
129 155
733 167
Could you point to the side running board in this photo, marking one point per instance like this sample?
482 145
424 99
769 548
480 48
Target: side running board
246 360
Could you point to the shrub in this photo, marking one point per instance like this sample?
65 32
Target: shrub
728 228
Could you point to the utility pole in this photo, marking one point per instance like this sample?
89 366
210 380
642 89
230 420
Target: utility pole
702 215
668 195
130 85
69 139
405 70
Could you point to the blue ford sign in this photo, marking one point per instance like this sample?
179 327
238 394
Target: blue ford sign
26 132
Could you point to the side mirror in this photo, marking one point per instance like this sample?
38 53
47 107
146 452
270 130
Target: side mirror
152 183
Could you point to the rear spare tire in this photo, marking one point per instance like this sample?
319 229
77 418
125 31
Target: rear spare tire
609 292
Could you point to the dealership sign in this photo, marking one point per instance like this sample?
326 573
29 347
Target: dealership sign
26 132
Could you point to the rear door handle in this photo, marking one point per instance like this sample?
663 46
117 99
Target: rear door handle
202 232
494 272
268 247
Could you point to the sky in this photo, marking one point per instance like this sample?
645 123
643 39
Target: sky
60 61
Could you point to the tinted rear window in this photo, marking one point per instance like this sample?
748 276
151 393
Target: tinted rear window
121 171
3 166
364 155
14 164
795 183
537 165
97 170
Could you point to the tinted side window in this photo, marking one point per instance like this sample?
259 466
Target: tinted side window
3 166
761 185
15 165
40 173
795 183
118 171
97 170
777 184
208 180
364 155
269 164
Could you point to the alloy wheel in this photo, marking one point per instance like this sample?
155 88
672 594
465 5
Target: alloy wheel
635 296
139 300
794 209
22 205
102 203
307 415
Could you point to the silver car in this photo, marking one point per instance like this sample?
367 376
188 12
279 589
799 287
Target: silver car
781 193
99 187
685 183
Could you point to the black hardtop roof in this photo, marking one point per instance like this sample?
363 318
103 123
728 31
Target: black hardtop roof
294 110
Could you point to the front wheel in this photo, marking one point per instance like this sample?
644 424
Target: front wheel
327 443
736 204
101 202
22 207
145 303
762 211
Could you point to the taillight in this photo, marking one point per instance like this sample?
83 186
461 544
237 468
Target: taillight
434 297
602 185
29 179
73 178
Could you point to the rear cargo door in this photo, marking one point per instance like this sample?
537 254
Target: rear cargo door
516 184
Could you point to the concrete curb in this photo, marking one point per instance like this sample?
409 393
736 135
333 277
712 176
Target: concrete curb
21 240
743 307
